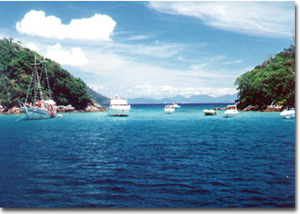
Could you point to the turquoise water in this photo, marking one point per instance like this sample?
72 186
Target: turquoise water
149 159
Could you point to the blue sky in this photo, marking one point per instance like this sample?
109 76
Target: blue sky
153 49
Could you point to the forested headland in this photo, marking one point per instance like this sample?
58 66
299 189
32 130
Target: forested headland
272 82
16 72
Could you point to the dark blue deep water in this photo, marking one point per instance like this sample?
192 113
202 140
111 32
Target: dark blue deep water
150 159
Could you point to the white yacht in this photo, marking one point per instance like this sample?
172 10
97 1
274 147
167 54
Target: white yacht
231 111
169 109
288 113
176 105
118 107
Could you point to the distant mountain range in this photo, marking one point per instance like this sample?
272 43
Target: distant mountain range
182 99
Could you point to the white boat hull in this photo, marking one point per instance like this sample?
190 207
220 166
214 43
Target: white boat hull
33 113
119 112
289 114
118 107
169 111
230 113
209 112
170 108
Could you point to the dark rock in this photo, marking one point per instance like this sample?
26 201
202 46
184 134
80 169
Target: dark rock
273 108
68 108
251 108
95 108
14 110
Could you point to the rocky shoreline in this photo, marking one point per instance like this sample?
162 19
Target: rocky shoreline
98 108
60 109
270 108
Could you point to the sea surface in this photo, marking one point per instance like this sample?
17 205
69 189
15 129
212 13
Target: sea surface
149 159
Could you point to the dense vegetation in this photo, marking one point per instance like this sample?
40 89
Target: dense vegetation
15 76
271 82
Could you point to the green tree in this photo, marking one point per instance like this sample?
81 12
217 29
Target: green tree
16 72
273 81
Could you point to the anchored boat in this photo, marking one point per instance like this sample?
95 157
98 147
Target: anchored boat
40 108
171 108
118 107
231 111
288 113
209 112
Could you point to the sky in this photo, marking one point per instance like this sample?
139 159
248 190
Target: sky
153 49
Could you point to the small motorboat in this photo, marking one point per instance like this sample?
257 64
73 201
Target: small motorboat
169 109
231 111
209 112
288 113
176 105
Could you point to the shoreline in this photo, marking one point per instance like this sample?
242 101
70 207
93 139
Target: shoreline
75 111
98 108
270 108
60 109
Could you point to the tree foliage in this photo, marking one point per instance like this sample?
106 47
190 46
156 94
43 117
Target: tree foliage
16 72
273 81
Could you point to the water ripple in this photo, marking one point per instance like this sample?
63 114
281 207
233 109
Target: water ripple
148 160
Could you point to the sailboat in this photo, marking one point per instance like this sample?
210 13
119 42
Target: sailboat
40 108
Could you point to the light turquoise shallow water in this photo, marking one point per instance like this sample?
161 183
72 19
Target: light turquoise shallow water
149 159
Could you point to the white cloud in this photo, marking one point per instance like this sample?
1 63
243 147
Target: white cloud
127 76
268 19
97 27
31 46
98 87
73 57
161 51
199 66
238 61
139 37
157 51
128 69
161 91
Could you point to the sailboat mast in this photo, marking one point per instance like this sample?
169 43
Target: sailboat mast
34 76
46 75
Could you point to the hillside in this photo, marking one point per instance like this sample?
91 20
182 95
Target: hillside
15 76
98 97
271 82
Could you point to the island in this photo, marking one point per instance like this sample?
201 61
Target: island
70 93
269 86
